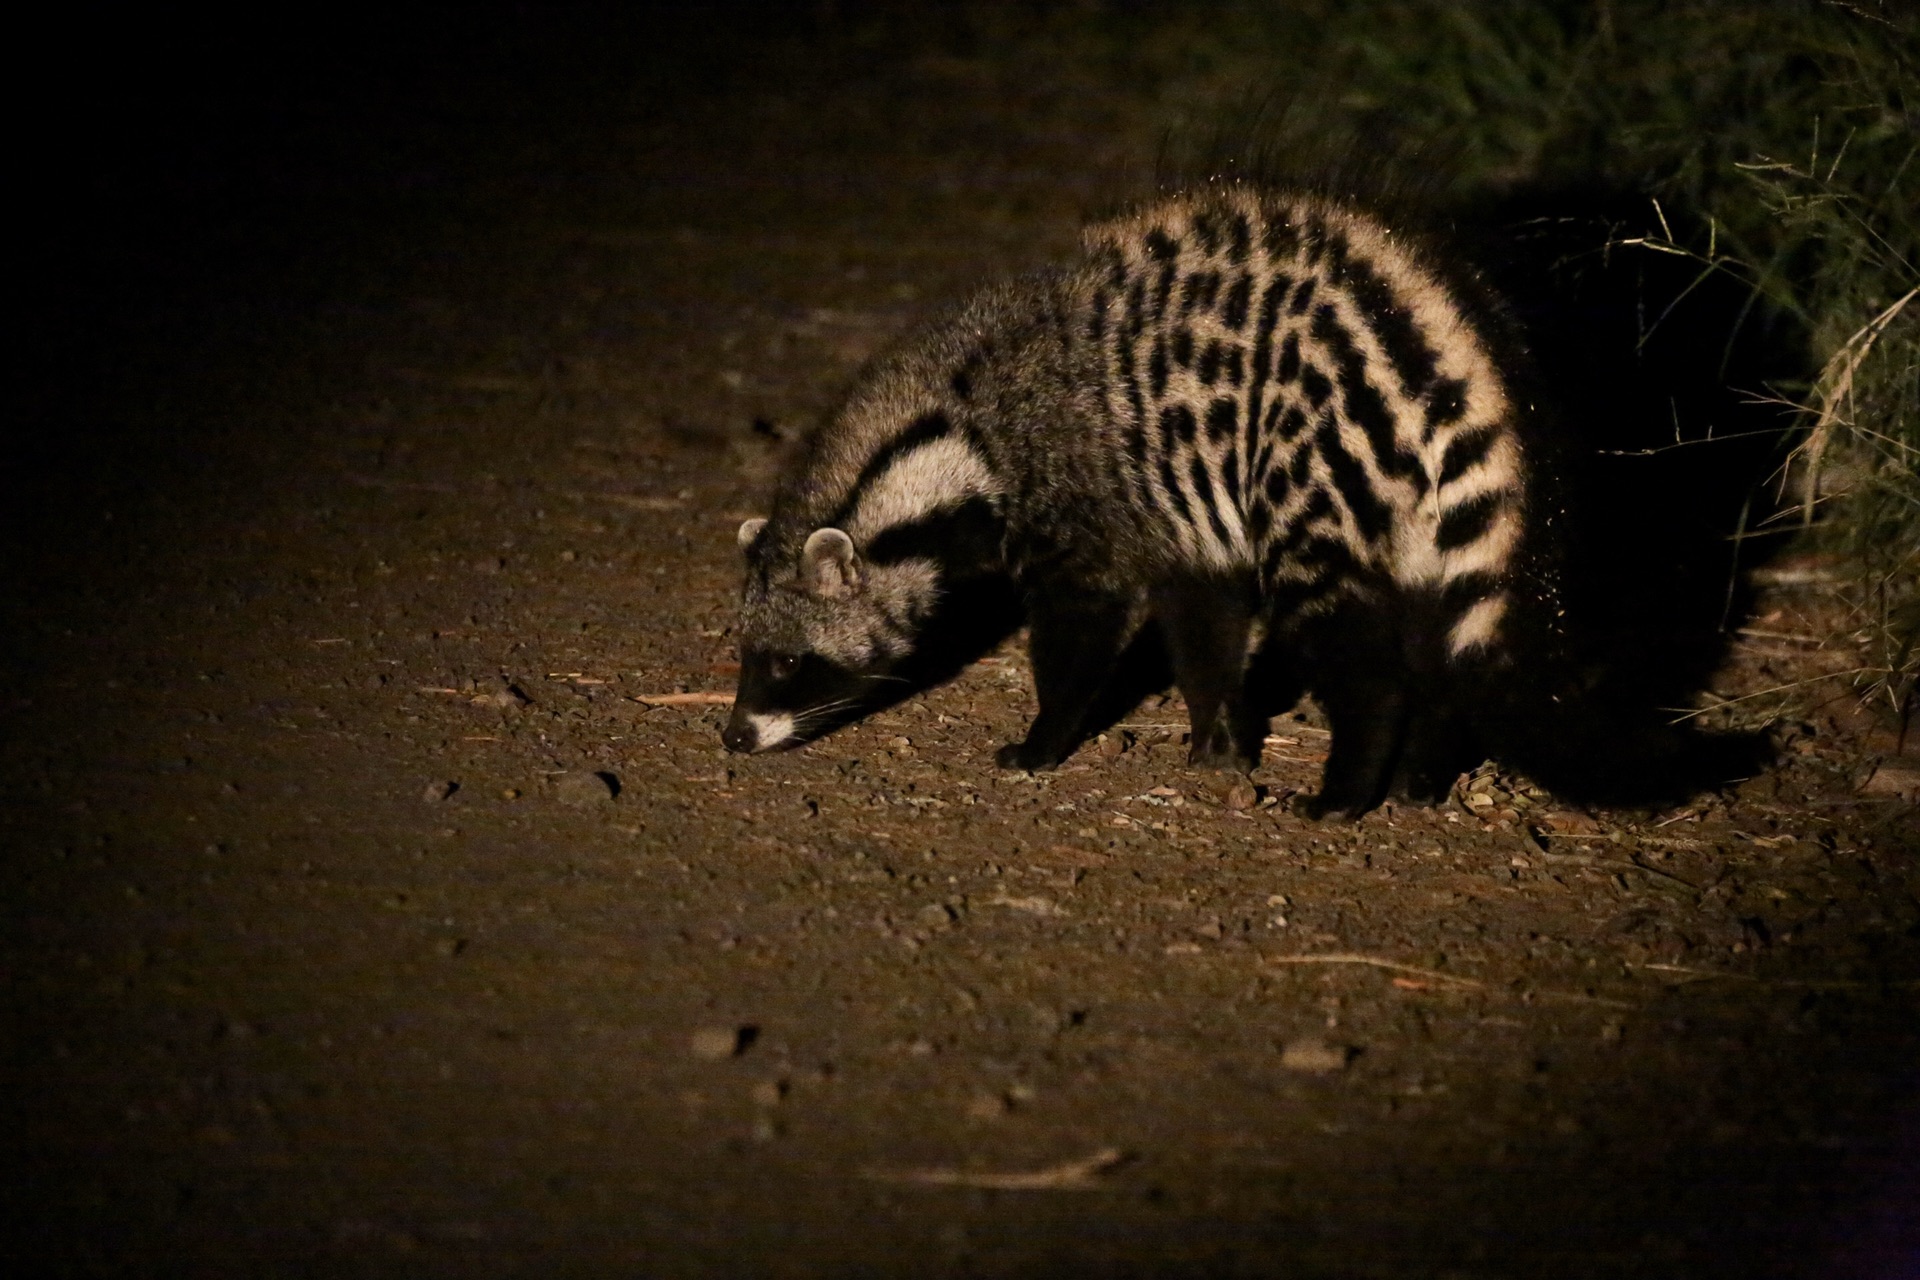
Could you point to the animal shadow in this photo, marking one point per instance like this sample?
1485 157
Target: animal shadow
1664 452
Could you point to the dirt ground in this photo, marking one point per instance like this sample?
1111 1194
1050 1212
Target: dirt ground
356 537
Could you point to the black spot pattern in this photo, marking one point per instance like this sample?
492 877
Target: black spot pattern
1203 494
1208 232
1177 425
1446 404
1289 367
1292 423
1278 237
1363 401
1467 523
965 532
1413 360
1465 451
1350 478
1209 366
1277 486
1206 285
923 430
1233 313
1260 519
1303 296
1316 385
1314 239
1163 289
1239 240
1189 296
1262 359
1172 485
1223 415
1467 590
1301 466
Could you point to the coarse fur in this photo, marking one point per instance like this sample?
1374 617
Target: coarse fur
1266 421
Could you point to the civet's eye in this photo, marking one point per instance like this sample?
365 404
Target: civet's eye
784 665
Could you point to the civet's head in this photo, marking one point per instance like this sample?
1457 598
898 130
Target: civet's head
820 628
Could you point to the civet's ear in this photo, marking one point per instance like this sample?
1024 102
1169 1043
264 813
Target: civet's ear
829 565
751 530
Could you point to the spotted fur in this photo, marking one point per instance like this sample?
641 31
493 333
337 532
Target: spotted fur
1260 419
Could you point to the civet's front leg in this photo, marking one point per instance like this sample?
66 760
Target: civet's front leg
1074 642
1206 621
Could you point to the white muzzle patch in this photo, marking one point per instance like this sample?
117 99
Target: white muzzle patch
770 731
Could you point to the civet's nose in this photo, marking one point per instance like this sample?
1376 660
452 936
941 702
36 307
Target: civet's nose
740 735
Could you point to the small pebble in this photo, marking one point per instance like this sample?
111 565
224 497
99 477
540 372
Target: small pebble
1110 745
1243 796
769 1093
584 790
989 1106
503 696
1315 1056
715 1044
438 791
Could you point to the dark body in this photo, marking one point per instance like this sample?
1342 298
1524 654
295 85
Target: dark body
1265 421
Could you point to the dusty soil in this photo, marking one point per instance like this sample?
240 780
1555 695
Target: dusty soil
355 546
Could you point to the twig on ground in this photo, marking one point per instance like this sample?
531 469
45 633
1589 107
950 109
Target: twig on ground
685 699
1779 635
633 501
1809 984
1795 576
1376 962
1071 1175
1617 865
1434 975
